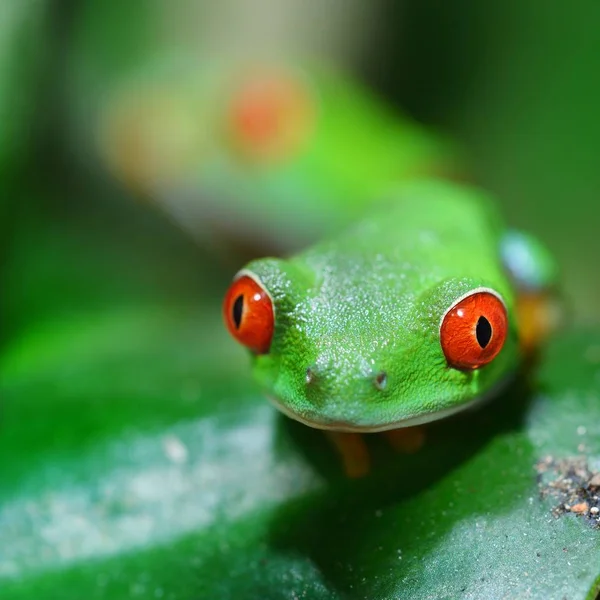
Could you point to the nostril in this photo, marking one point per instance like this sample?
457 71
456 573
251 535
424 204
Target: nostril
380 380
310 376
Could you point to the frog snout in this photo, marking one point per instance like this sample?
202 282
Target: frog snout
315 378
335 396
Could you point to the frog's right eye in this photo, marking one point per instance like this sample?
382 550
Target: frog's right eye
474 329
248 313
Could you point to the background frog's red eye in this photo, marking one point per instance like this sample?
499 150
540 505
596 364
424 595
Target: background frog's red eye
248 313
473 330
270 117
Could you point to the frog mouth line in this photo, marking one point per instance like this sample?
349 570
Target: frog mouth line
409 422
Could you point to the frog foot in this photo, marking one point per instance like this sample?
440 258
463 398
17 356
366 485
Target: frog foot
539 315
407 440
353 451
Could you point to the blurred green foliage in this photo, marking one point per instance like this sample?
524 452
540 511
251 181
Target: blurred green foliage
25 47
517 83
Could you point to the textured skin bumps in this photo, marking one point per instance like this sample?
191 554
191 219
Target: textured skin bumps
356 345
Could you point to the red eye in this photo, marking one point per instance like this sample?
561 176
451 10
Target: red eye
270 117
248 313
473 330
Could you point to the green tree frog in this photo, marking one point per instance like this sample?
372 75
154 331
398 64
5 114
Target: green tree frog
409 316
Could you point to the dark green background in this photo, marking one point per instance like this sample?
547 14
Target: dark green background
518 83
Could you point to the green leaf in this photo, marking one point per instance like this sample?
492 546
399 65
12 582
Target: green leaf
158 471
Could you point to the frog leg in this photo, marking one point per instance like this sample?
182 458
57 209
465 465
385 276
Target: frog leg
406 440
534 274
353 450
539 315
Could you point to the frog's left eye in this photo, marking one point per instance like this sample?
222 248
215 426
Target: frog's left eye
248 313
474 329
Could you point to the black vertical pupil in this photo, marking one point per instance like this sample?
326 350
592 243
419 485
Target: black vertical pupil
483 332
238 307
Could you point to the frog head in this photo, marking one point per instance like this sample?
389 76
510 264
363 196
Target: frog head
357 347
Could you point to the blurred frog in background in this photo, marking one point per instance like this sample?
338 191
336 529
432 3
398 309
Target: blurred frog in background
252 132
273 155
